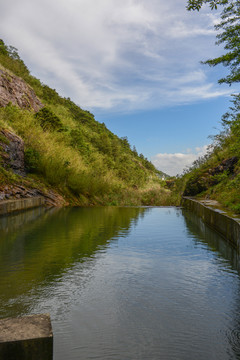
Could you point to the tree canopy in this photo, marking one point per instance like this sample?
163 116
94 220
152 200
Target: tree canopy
197 4
228 34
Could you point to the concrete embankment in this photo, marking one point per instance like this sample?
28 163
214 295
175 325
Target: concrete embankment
25 338
10 206
211 213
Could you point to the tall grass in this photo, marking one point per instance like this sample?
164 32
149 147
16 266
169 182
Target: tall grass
69 150
63 167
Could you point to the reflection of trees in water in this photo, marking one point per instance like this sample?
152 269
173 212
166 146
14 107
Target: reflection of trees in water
206 236
48 243
16 220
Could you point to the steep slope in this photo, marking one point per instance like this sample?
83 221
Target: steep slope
217 174
65 149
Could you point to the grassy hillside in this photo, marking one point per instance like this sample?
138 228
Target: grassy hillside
217 174
66 149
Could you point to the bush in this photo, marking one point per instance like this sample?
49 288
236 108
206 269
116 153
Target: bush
48 120
195 184
31 159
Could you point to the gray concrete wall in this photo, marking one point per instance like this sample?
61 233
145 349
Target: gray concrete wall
9 206
26 338
226 225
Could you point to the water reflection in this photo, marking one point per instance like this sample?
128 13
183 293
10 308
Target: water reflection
123 283
39 246
212 240
205 236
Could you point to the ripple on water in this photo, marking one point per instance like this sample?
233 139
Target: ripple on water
125 284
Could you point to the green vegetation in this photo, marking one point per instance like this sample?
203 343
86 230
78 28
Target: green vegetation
68 150
217 174
228 34
48 120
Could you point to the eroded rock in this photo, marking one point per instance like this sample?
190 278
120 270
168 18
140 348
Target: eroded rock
225 165
200 182
12 152
13 192
15 90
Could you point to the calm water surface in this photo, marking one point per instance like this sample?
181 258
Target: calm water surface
123 283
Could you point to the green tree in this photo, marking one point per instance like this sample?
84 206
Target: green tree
104 144
228 35
197 4
10 59
48 120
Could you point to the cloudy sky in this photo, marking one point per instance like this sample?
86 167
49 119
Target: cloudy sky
134 63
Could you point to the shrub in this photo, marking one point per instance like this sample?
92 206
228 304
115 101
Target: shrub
31 159
48 120
195 184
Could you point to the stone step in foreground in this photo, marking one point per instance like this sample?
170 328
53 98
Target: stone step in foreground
26 338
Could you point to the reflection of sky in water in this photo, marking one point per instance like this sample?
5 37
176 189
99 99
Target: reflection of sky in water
128 284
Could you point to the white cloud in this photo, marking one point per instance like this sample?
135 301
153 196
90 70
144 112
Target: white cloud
173 164
105 54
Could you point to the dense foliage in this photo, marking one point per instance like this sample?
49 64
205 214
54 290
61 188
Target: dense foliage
67 149
228 35
217 174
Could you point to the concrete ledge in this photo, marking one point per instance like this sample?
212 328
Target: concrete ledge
226 225
28 337
9 206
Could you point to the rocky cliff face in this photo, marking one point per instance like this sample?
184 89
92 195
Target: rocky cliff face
18 92
16 192
12 157
202 181
12 152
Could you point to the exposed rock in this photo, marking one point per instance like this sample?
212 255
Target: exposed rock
226 165
195 185
11 192
170 184
15 90
54 199
200 182
12 151
12 157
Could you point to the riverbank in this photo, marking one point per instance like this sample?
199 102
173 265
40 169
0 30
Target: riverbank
225 223
88 268
10 206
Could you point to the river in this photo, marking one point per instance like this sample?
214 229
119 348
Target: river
123 283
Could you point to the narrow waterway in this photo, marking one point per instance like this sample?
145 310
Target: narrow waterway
123 283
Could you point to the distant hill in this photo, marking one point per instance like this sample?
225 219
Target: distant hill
50 146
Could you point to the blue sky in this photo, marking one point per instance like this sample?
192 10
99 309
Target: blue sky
172 131
135 64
